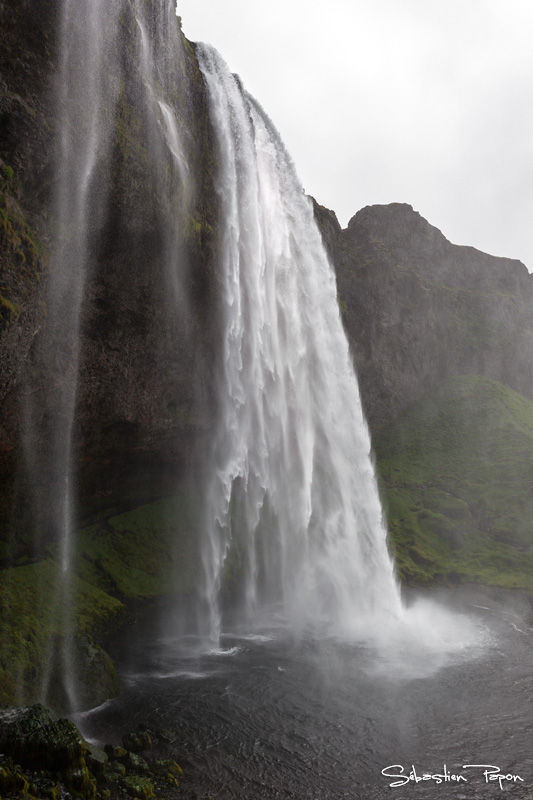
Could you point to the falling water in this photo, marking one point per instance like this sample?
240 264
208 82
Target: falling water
94 60
161 48
85 99
293 515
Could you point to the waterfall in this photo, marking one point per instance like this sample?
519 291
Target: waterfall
85 96
96 49
292 511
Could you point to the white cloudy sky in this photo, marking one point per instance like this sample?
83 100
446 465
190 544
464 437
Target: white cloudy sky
428 102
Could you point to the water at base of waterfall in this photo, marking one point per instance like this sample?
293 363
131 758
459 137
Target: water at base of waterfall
264 716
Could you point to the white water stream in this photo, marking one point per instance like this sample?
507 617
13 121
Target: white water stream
86 94
89 87
292 510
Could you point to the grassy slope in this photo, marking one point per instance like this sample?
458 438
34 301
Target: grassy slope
146 552
32 628
456 476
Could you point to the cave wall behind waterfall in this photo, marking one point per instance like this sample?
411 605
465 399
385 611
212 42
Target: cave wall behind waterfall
147 338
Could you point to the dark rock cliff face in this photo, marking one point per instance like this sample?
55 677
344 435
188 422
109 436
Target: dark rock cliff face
147 351
143 394
147 341
418 309
441 335
27 57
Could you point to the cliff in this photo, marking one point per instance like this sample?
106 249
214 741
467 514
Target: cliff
441 337
138 363
144 374
418 309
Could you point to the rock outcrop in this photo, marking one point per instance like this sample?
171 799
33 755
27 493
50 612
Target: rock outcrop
44 756
442 338
418 309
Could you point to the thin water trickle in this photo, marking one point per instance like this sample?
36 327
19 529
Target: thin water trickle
90 84
85 97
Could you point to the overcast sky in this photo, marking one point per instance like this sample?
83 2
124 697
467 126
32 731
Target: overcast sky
428 102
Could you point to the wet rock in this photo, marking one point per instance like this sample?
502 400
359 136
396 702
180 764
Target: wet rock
113 772
37 783
73 766
80 782
115 752
37 739
137 742
12 781
134 762
143 788
96 759
168 770
48 789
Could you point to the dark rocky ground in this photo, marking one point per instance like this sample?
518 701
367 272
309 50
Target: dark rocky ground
44 756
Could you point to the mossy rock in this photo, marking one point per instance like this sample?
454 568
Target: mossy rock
115 752
145 552
135 762
113 772
80 782
96 675
166 767
96 759
40 625
37 739
13 782
48 788
167 770
137 742
142 788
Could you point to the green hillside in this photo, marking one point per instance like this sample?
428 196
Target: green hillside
456 476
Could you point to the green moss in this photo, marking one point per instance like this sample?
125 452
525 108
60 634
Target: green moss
199 230
21 259
37 618
80 782
456 476
14 308
13 782
142 788
167 769
145 552
37 739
